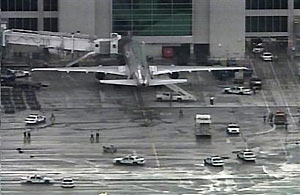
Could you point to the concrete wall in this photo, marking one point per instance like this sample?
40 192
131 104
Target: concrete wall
77 15
201 21
153 49
227 29
103 18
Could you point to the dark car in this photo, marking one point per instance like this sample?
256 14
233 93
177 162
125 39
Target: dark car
255 83
7 76
231 62
109 149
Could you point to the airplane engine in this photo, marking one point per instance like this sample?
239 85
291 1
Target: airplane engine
99 76
174 75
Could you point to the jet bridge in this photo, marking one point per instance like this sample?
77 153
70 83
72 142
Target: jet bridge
62 41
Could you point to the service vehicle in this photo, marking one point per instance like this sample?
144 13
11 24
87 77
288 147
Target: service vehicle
246 155
109 149
231 62
7 76
255 83
267 56
216 161
202 126
20 73
172 96
35 119
280 118
37 179
129 160
238 77
237 90
233 128
67 182
258 49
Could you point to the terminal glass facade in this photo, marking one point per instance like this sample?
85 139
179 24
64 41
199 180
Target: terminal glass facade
266 4
50 5
152 17
266 24
297 4
51 24
19 5
23 23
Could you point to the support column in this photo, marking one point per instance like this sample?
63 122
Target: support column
40 15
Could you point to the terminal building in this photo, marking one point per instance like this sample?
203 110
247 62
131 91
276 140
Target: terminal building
217 29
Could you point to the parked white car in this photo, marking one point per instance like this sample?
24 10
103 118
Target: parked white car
35 119
130 160
233 128
246 155
267 56
216 161
67 182
237 90
36 179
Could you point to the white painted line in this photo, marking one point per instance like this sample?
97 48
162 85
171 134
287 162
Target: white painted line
155 154
264 132
285 152
261 91
282 94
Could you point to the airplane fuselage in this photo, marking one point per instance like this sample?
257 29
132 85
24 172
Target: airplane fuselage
135 57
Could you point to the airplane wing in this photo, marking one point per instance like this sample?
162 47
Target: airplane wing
128 82
156 82
116 70
158 70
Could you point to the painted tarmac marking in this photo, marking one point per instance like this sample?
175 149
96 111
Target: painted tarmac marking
139 98
282 94
262 92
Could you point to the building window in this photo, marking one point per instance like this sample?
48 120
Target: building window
50 5
23 23
153 17
19 5
51 24
266 24
297 4
266 4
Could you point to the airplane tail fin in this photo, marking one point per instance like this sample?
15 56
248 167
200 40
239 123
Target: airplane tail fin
128 82
156 82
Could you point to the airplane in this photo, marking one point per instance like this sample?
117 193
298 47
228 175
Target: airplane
137 70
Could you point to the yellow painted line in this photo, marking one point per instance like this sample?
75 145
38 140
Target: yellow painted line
155 153
147 123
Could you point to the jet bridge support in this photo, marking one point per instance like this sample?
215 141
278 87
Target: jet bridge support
81 58
179 90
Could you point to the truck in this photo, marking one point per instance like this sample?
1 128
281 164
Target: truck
280 118
202 126
238 77
173 96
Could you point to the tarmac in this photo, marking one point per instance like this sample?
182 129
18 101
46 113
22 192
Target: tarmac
134 122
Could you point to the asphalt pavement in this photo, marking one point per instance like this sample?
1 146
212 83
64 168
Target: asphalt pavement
135 123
